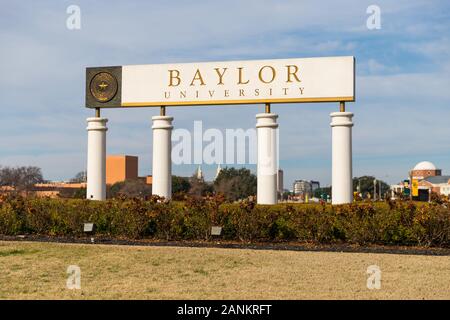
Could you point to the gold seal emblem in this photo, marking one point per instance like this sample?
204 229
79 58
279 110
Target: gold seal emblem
103 86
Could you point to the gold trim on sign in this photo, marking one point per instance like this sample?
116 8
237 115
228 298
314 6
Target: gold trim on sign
223 102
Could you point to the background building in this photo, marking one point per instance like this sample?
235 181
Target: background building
120 168
302 188
56 189
430 179
436 184
280 181
314 186
123 167
425 169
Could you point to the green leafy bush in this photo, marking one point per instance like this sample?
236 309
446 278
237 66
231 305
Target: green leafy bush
391 223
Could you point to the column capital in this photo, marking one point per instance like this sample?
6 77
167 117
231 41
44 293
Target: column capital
342 114
266 115
162 122
266 120
167 118
341 119
98 124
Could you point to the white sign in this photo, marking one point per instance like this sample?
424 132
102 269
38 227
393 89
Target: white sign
239 82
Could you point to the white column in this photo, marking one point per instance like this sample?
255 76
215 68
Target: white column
162 160
342 184
96 159
267 167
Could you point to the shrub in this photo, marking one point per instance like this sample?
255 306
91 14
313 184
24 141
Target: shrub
10 223
399 223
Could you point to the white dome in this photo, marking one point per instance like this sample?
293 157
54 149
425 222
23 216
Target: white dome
425 165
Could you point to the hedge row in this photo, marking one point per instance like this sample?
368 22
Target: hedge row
400 223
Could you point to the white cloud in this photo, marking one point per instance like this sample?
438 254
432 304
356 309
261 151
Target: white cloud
42 78
414 87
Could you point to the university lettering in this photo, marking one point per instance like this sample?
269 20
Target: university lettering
266 75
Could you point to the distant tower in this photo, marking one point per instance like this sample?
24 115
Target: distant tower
280 182
218 171
199 173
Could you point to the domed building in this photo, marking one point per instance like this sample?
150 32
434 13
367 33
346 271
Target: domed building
425 169
430 179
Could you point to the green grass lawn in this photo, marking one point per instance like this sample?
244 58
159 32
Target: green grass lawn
38 271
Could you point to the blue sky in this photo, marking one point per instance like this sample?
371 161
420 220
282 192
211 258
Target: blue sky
402 110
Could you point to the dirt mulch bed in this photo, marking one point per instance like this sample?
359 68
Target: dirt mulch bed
291 246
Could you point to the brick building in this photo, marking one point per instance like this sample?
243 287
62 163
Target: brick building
436 184
425 169
430 180
120 168
123 167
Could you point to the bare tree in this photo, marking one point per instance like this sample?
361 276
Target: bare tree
198 187
20 178
130 188
79 177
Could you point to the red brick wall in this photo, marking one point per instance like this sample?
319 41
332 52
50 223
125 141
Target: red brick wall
425 173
